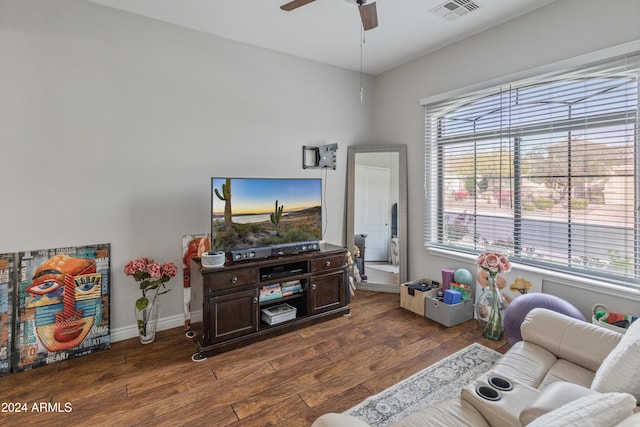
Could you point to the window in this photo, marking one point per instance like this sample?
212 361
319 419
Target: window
544 170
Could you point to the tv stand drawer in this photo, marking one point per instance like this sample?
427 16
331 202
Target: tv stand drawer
230 279
327 263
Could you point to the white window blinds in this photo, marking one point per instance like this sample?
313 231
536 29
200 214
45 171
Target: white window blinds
544 170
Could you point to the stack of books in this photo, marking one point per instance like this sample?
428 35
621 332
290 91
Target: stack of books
278 314
270 292
290 288
277 290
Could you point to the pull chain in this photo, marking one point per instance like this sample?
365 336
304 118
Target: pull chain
362 42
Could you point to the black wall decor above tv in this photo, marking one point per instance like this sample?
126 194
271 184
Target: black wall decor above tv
261 217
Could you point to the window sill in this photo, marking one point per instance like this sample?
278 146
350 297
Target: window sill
595 284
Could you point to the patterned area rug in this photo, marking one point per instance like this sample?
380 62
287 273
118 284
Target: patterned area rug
440 381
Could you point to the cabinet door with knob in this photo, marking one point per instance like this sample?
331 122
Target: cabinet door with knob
231 315
327 291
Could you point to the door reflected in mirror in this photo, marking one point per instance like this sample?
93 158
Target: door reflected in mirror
376 215
375 199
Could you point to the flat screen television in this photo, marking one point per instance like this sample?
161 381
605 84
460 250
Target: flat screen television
251 213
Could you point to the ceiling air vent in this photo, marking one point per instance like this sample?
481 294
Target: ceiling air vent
454 9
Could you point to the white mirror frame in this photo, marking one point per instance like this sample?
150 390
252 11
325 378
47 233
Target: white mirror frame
401 149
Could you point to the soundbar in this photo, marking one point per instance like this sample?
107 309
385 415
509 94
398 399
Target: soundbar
273 251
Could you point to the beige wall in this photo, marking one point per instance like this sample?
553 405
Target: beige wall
112 125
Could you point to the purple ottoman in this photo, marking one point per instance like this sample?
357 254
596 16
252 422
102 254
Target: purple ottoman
518 308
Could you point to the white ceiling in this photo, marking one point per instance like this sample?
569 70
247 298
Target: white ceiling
329 31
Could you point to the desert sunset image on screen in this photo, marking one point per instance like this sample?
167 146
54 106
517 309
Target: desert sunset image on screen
256 212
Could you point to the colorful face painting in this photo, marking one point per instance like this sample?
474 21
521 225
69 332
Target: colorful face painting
64 304
57 286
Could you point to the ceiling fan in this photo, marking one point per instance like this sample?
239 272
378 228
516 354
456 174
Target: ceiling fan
368 12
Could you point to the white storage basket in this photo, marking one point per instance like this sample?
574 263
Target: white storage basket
599 322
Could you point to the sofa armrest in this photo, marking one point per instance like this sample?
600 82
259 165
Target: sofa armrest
553 397
567 338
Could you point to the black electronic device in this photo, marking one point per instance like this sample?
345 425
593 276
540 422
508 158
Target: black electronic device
295 248
249 254
283 270
272 251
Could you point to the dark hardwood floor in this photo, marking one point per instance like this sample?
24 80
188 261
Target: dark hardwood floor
288 380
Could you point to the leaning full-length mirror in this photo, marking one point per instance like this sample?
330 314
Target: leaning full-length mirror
377 215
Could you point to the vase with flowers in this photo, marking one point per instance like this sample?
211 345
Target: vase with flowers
152 277
491 304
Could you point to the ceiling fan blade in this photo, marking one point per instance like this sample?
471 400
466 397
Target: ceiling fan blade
295 4
369 15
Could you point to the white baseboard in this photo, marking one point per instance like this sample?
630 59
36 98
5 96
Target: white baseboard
131 331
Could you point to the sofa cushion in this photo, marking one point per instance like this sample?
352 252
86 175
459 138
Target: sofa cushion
632 421
596 410
564 370
551 398
620 370
450 413
525 362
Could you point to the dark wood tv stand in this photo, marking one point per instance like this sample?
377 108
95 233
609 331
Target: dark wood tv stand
231 312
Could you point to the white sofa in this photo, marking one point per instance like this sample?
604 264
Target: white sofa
565 372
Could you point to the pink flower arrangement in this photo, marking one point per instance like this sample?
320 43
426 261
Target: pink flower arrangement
151 275
490 306
493 263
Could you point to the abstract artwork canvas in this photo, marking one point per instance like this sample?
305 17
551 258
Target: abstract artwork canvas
62 305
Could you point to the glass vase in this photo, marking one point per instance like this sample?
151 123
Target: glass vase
147 321
490 310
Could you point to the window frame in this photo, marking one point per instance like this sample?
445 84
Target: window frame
433 160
